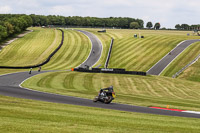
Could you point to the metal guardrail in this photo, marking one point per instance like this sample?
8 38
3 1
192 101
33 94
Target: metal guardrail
109 53
192 62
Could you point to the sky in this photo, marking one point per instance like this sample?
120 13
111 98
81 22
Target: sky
167 12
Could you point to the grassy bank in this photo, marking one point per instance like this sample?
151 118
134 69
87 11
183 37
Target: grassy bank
31 49
75 50
136 53
136 90
27 116
192 73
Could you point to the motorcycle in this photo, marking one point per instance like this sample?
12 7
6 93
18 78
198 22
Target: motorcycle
105 95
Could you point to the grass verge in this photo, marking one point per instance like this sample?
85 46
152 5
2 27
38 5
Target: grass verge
27 116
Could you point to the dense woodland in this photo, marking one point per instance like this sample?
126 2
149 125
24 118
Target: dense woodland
11 24
119 22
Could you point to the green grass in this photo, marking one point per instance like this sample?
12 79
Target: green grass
31 49
18 115
136 90
138 54
186 57
192 73
28 116
75 50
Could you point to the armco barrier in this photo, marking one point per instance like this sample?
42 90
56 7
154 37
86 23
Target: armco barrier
41 64
110 70
109 53
185 67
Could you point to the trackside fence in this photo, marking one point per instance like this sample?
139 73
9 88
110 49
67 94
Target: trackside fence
110 70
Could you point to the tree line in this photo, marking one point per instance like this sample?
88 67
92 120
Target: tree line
118 22
187 27
11 24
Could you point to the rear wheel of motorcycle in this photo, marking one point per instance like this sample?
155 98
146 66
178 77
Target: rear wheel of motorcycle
95 99
107 101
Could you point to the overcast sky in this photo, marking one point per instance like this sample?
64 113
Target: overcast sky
167 12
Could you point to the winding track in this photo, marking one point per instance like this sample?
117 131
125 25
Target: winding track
96 50
166 60
10 86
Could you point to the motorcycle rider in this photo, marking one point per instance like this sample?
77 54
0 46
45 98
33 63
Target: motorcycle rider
103 92
105 95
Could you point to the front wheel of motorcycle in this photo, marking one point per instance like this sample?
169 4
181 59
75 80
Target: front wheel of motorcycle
108 100
95 99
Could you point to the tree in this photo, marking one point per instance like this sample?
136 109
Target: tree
15 22
157 26
140 22
185 26
36 19
3 32
123 23
195 27
9 27
134 25
178 26
149 25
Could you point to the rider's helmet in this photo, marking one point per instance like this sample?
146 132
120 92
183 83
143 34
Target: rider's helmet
111 88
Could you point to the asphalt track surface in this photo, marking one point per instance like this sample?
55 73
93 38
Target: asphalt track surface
166 60
96 50
10 85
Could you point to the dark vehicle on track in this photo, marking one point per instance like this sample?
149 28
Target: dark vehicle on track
105 95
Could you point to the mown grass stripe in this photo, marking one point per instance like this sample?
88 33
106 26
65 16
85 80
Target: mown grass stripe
70 52
167 90
180 92
143 60
76 49
57 59
126 54
126 47
28 48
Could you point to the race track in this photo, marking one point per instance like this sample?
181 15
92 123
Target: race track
96 50
165 61
10 86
